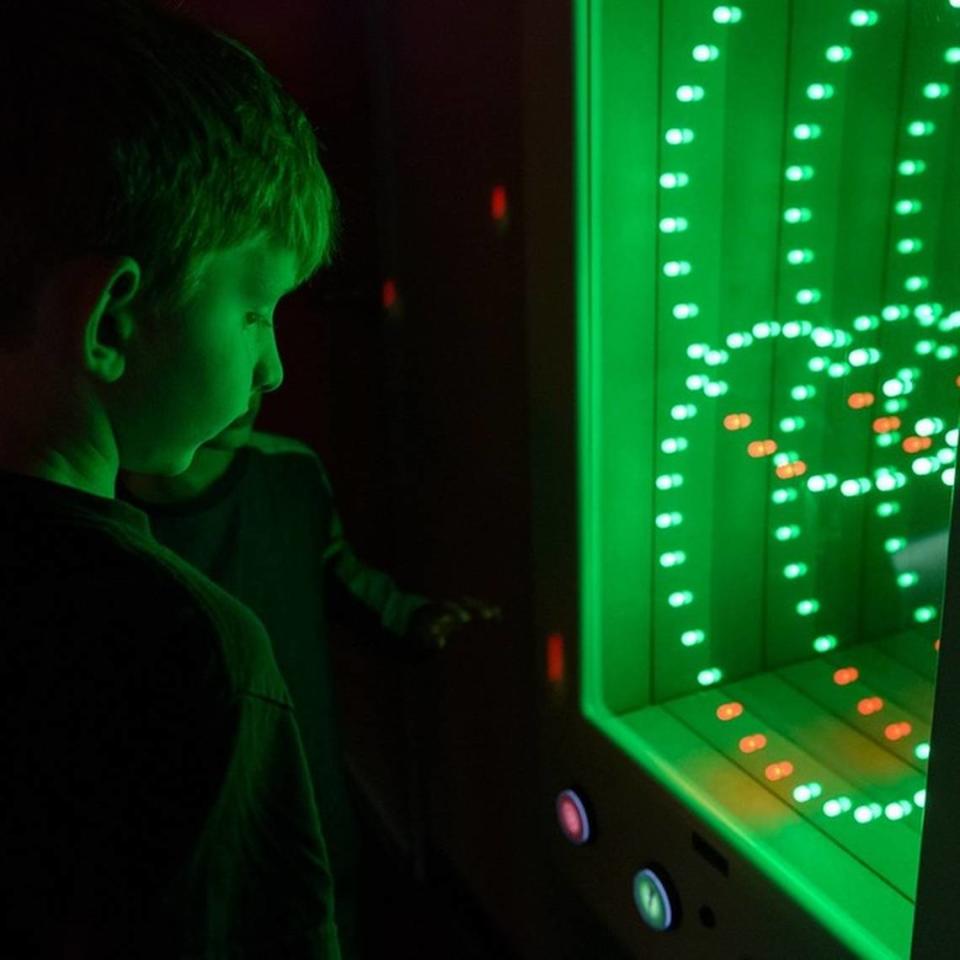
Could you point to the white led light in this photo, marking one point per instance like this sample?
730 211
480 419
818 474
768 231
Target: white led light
678 135
727 15
684 311
807 131
948 476
689 93
820 91
838 54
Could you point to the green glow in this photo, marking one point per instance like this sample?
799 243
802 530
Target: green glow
908 579
825 643
708 677
922 751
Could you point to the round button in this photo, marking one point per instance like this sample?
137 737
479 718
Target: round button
572 817
653 900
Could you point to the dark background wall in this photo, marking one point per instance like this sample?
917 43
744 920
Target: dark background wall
420 414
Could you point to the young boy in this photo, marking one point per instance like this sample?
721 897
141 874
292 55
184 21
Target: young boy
159 194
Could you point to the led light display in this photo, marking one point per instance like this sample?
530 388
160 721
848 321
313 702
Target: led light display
769 382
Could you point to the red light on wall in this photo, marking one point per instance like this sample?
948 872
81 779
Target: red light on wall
936 644
556 659
788 471
869 705
897 731
886 424
778 771
727 711
858 401
846 675
498 203
916 444
761 448
388 296
737 421
753 743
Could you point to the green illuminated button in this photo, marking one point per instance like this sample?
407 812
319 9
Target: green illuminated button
652 900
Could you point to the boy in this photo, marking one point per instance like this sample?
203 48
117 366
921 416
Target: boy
160 193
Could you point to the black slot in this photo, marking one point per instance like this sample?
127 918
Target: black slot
711 855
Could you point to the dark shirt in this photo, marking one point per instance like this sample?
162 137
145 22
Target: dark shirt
155 801
268 532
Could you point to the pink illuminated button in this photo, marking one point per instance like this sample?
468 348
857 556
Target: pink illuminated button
572 817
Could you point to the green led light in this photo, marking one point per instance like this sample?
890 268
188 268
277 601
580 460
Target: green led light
674 445
922 751
888 508
737 340
673 559
709 676
798 215
910 168
817 364
909 245
825 643
894 544
673 224
924 347
921 128
800 255
792 424
913 284
838 54
692 638
689 93
836 806
671 181
669 481
866 322
680 598
946 351
704 53
666 520
807 791
855 487
679 135
952 55
808 607
796 174
864 18
789 532
807 131
684 311
936 91
784 495
910 578
683 411
924 614
867 812
920 798
807 296
897 810
793 570
677 268
820 91
905 207
727 15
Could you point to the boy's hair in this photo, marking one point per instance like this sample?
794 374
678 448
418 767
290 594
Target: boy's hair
126 129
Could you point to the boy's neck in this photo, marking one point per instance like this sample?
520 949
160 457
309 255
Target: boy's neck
208 466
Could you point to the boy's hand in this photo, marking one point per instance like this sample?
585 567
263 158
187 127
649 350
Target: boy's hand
432 625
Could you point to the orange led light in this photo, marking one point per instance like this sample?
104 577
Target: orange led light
737 421
886 424
777 771
756 741
870 705
788 471
916 444
858 401
727 711
936 644
897 731
957 381
761 448
845 675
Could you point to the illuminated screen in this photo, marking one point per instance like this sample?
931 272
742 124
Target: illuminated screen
769 304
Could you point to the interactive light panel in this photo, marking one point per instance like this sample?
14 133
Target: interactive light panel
769 382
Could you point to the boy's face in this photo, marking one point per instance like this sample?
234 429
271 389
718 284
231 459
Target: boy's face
189 378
